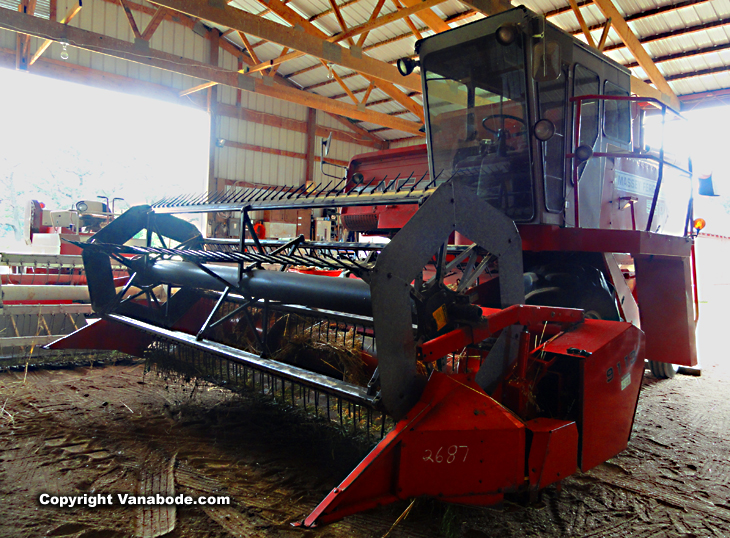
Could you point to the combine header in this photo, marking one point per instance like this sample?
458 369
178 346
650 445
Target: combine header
506 363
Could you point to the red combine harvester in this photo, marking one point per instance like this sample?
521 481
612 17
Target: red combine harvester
506 363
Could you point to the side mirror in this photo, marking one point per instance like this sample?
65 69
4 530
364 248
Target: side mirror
326 143
706 187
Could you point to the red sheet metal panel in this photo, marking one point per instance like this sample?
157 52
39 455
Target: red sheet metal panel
610 379
553 451
664 291
456 444
468 444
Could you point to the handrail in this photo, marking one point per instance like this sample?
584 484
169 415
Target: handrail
631 155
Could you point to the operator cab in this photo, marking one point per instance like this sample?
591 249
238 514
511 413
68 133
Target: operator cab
499 115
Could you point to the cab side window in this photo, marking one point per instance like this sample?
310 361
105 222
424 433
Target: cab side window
586 82
616 114
552 99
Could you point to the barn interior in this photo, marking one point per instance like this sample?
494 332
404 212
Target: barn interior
364 268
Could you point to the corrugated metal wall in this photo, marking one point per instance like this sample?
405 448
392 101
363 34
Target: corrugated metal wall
231 163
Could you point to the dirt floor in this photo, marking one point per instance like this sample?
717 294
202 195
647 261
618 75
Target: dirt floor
117 429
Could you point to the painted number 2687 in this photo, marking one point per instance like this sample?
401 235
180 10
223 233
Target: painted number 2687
446 456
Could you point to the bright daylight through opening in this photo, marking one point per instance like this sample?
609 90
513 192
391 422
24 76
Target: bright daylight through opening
65 142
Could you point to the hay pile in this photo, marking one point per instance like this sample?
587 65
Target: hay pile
336 353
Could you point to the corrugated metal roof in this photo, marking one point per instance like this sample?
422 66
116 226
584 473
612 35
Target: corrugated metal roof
42 7
682 38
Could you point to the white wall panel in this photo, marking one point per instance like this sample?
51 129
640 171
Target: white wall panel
7 39
415 141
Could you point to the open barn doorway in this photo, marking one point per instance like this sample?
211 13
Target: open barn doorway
63 142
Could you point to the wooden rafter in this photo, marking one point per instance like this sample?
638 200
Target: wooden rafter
329 11
304 41
18 22
294 18
403 99
429 18
604 36
632 42
263 118
340 20
276 67
248 47
228 46
152 26
409 22
72 12
22 42
342 84
373 16
582 23
365 97
130 18
362 132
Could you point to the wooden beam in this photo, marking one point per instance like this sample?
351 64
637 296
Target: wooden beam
604 36
63 70
72 12
302 41
373 16
488 7
294 18
152 26
383 144
262 118
22 41
582 23
632 42
130 18
249 48
365 97
341 21
341 82
274 69
14 21
213 43
311 144
197 88
409 22
429 18
400 97
279 152
642 89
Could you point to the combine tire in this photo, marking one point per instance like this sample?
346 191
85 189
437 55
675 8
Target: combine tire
663 370
573 286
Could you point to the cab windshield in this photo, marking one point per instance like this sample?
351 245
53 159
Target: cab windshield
478 124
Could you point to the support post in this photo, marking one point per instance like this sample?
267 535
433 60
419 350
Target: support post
212 105
311 136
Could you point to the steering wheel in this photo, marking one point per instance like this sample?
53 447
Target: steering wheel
486 119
